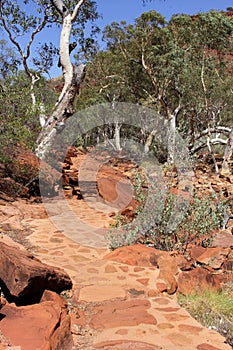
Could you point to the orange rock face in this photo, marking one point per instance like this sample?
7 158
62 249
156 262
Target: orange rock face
25 278
136 255
44 326
196 280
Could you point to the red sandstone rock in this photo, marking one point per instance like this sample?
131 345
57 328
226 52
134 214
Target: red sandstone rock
223 239
196 280
228 266
122 313
196 251
161 285
136 255
126 344
169 266
189 329
213 257
25 167
225 278
11 187
43 326
24 278
107 180
205 346
129 211
178 260
168 269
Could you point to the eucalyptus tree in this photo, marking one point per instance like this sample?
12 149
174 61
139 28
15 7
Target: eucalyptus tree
9 61
208 94
183 69
30 18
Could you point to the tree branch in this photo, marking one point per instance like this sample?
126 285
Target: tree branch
9 32
221 129
14 42
60 7
203 80
36 31
75 12
211 141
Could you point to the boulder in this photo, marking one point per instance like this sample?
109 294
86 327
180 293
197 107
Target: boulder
223 238
168 269
169 264
136 255
23 278
115 187
196 280
43 326
213 257
24 166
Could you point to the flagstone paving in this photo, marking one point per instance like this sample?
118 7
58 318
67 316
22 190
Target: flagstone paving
114 306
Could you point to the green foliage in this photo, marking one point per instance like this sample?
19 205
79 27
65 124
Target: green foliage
213 310
19 122
139 182
121 239
119 221
8 60
28 18
165 65
204 215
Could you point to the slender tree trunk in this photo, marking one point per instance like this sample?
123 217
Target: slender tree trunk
73 77
171 138
149 141
64 54
64 109
228 153
117 136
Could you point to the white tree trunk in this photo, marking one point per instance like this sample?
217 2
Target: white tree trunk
65 55
227 154
73 76
117 136
62 112
149 141
171 138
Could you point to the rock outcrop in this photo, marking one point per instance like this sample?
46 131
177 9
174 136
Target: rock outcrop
42 326
23 278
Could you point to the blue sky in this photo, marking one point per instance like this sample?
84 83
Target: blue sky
129 10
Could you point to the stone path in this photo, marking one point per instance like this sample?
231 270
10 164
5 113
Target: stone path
114 306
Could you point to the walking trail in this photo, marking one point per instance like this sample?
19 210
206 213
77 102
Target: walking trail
114 305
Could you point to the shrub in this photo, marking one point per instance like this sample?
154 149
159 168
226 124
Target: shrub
203 216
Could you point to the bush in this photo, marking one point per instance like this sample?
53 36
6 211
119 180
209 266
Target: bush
202 217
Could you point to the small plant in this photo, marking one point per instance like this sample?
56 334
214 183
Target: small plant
119 221
162 237
121 239
213 310
203 216
139 184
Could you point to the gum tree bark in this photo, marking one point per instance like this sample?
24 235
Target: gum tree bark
73 77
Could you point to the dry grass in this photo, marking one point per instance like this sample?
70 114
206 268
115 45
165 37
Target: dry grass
213 310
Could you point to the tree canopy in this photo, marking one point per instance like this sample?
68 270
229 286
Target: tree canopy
181 68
